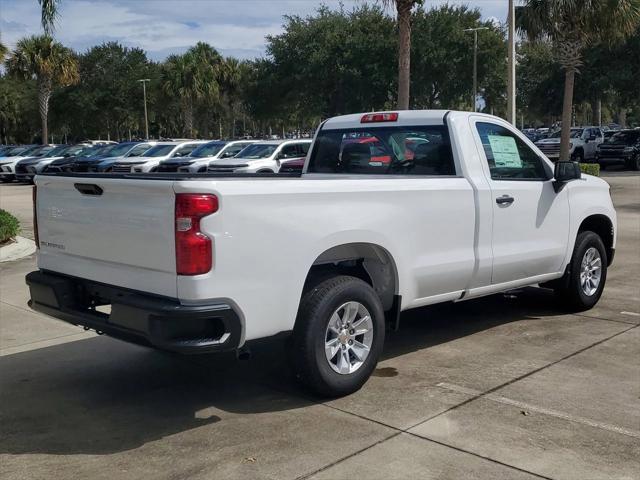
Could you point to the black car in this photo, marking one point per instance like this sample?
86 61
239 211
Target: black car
81 161
622 147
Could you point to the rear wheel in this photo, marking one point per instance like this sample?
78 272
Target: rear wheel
587 273
266 170
338 336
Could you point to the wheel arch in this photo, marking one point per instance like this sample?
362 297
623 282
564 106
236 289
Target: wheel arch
368 261
603 226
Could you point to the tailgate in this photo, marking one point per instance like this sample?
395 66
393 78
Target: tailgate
122 236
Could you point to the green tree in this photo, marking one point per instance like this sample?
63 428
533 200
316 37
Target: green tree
233 78
571 26
403 10
18 110
49 63
192 76
537 77
328 63
110 74
442 59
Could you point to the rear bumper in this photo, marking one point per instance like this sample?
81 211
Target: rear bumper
135 316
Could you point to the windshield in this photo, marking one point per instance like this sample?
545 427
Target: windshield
575 133
159 151
258 150
86 151
138 150
625 138
207 150
120 149
38 151
22 150
100 151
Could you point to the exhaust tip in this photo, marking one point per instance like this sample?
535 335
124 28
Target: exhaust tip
243 353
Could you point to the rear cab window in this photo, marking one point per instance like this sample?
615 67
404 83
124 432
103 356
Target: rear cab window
404 150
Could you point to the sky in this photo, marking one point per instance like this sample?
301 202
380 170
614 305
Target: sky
162 27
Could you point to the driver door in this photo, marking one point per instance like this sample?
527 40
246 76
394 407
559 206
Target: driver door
530 221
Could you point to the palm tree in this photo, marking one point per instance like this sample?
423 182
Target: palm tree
48 62
3 51
571 26
49 14
231 80
403 9
192 76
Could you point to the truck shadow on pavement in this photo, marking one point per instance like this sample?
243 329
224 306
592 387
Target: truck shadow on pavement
101 396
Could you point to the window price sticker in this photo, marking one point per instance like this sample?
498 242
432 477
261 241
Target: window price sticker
505 151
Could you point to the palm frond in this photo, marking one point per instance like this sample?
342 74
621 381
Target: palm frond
49 15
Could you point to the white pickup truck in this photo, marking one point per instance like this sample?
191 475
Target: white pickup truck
393 211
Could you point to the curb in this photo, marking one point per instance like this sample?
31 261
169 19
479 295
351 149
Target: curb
22 247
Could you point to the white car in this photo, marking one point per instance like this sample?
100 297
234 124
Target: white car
156 154
28 168
378 223
261 157
582 146
198 160
16 154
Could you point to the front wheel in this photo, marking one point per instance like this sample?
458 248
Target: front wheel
587 273
338 336
578 156
634 162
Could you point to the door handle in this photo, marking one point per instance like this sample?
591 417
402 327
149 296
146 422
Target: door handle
505 199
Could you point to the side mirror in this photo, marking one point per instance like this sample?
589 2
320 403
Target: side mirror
565 172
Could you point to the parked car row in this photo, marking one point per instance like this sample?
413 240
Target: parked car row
596 145
22 163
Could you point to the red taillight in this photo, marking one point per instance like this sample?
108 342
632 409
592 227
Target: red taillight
35 216
379 117
194 250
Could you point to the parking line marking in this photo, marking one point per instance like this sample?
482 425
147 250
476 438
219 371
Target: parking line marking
545 411
50 342
633 314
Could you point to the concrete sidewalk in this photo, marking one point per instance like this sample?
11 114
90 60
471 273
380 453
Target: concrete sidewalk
505 387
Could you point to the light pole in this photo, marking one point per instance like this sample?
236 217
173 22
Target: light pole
144 95
475 62
511 66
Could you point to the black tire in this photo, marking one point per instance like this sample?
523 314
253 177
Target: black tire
571 294
634 162
318 304
266 170
578 156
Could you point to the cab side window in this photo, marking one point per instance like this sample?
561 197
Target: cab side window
509 158
290 151
304 149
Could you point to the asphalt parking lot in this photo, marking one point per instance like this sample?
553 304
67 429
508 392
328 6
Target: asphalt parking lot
506 387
